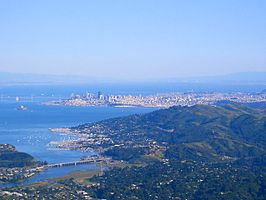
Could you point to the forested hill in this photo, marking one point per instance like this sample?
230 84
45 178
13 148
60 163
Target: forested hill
10 157
210 132
199 152
204 132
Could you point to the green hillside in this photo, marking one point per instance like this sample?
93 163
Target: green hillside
10 157
207 152
206 132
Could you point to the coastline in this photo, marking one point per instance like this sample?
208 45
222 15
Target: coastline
160 101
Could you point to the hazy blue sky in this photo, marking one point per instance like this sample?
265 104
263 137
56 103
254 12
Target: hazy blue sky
133 39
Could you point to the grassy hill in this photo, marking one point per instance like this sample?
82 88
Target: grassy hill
10 157
208 152
203 132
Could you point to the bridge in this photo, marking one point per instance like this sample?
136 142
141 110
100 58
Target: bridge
81 162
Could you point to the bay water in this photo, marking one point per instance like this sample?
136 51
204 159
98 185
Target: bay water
28 130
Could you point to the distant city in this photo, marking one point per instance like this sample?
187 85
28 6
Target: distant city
163 100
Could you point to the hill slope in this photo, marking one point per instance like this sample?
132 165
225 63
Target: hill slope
206 153
202 131
10 157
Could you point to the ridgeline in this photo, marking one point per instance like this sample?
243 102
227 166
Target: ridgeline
199 152
10 157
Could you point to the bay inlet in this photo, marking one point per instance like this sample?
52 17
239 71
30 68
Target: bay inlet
29 130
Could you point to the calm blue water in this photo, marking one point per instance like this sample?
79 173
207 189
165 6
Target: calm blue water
48 174
28 130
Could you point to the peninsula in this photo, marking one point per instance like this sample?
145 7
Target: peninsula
164 100
196 152
16 166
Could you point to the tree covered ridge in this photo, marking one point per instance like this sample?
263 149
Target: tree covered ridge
10 157
210 152
212 132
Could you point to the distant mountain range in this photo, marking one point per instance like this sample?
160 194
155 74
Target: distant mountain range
42 79
239 78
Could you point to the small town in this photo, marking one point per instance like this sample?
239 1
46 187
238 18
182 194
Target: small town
18 173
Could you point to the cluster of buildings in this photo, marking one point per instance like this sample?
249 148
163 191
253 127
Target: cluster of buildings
63 190
101 137
86 140
17 173
14 173
7 147
159 100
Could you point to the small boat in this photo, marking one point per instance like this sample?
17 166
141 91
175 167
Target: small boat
22 108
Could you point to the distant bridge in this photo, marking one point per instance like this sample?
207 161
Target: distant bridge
81 162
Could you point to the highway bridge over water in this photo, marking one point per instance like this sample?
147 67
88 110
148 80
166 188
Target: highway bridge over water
81 162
